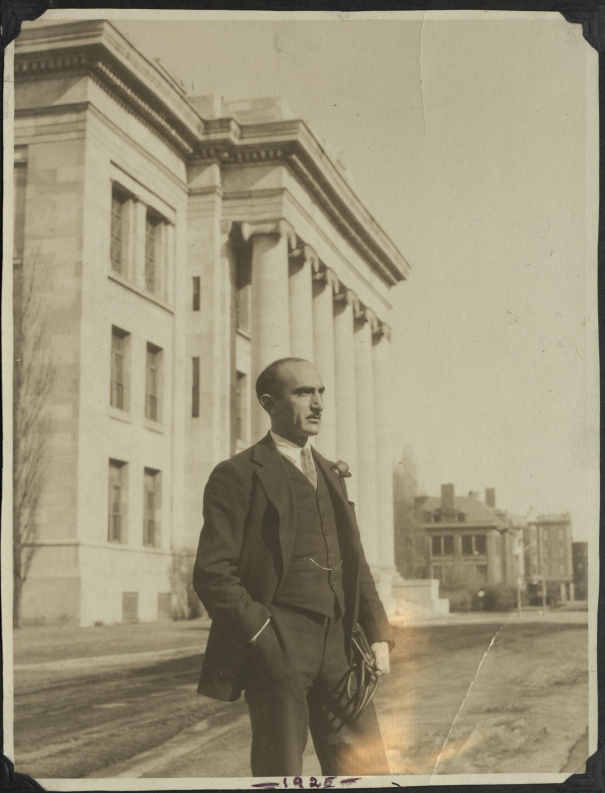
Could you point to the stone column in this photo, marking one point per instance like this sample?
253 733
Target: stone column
224 346
344 370
325 285
303 263
367 511
270 325
384 407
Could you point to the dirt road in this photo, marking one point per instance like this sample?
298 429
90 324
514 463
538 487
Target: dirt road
454 703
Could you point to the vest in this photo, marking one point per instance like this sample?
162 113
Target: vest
306 584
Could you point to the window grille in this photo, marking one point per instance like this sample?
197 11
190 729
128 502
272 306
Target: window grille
117 370
116 501
117 230
150 508
152 383
118 393
151 227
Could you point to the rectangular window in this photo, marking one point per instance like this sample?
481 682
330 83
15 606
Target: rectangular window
481 544
467 545
196 293
117 501
152 224
20 181
195 388
118 393
152 382
241 393
448 546
151 506
436 546
118 230
130 606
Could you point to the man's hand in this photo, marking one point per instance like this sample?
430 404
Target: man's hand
381 657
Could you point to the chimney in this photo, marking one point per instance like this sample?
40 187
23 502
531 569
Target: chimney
447 497
490 497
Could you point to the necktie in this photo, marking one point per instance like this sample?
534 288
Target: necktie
308 465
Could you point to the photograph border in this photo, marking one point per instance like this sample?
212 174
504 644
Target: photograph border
591 17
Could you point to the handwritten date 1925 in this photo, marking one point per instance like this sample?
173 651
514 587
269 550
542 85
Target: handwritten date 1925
297 781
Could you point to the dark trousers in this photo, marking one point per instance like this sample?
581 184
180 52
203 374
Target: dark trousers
296 683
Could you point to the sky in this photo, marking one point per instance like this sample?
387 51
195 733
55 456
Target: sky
467 142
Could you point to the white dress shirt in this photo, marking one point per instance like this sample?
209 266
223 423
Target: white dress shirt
290 450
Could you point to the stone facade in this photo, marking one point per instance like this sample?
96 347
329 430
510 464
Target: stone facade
181 245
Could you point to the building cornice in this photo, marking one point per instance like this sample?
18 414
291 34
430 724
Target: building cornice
293 144
95 48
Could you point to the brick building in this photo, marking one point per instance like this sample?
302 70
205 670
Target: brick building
179 244
548 557
471 542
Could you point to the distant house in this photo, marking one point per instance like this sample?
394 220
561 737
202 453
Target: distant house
579 552
548 557
471 542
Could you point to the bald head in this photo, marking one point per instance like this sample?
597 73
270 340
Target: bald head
290 390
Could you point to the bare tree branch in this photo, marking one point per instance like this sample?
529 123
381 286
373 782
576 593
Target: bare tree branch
33 375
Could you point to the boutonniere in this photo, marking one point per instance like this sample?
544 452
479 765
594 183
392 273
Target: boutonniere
341 469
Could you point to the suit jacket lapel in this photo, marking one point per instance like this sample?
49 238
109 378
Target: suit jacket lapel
338 497
277 484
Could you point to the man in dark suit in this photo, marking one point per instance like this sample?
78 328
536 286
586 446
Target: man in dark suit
282 573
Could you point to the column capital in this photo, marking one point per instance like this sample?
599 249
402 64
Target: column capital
309 256
279 227
360 312
330 277
349 297
373 320
382 330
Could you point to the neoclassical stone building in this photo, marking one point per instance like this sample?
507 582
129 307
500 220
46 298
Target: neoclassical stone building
179 245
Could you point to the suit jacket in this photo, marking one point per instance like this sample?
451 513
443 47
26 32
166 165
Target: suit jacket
245 548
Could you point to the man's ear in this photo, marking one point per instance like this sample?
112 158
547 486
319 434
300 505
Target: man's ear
266 401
